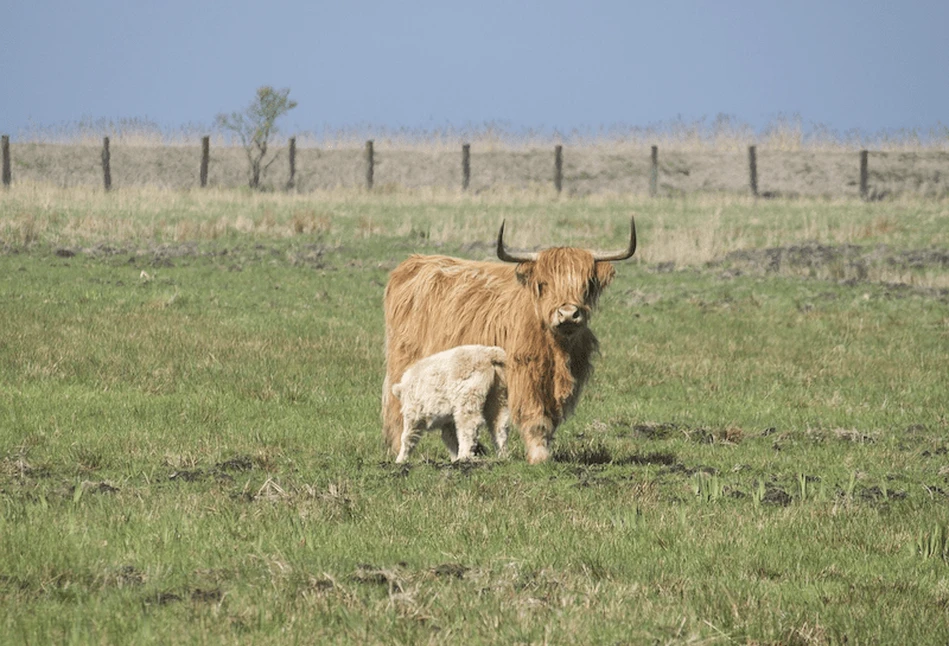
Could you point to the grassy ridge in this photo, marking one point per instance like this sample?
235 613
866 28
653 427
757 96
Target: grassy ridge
190 446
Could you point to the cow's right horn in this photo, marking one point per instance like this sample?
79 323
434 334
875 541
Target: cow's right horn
620 255
506 256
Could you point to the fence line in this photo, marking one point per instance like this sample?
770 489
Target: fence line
369 156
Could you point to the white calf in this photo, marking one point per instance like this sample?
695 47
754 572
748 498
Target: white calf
458 391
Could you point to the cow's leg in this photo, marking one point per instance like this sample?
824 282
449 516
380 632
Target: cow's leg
392 425
497 416
537 434
500 429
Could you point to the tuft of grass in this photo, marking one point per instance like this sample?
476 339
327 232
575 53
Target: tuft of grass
933 543
707 486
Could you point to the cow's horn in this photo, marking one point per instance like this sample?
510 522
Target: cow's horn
620 255
504 255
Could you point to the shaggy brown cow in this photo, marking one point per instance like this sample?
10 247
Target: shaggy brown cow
537 310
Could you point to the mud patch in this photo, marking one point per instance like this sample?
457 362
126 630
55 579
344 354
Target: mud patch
220 471
18 468
841 262
87 487
238 463
670 430
877 494
661 431
776 496
125 576
194 475
450 570
167 255
162 599
813 256
201 595
371 575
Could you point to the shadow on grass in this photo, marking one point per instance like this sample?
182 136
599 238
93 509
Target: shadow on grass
599 454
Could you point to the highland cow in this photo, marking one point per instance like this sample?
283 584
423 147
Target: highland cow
537 309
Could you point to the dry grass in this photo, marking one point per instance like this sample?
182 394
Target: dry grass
842 239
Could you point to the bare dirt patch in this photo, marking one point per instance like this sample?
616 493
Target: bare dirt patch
841 262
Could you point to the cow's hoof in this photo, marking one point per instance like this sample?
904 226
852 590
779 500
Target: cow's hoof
537 454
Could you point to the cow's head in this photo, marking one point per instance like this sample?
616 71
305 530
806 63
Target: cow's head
565 282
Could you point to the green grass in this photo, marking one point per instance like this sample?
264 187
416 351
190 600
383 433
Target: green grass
190 444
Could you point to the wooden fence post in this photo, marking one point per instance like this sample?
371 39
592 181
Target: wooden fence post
558 167
106 165
753 170
205 159
654 172
293 162
370 162
465 166
5 146
864 175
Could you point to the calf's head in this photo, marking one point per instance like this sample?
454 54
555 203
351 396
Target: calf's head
564 282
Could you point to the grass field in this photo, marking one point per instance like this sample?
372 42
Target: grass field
190 443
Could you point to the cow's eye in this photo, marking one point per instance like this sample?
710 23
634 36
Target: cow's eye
540 288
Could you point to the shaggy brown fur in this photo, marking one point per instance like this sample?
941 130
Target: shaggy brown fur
537 311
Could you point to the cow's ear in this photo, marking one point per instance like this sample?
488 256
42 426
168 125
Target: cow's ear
604 274
524 273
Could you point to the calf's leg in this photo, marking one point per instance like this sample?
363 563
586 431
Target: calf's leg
450 438
468 424
410 436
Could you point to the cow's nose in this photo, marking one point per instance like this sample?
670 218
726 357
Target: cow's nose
571 314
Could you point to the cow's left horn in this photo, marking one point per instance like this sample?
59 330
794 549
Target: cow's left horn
506 256
620 255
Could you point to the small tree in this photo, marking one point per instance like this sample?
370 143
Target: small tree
256 125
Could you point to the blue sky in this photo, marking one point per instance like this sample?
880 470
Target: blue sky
868 65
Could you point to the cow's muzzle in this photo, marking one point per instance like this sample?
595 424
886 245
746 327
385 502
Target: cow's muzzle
567 319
